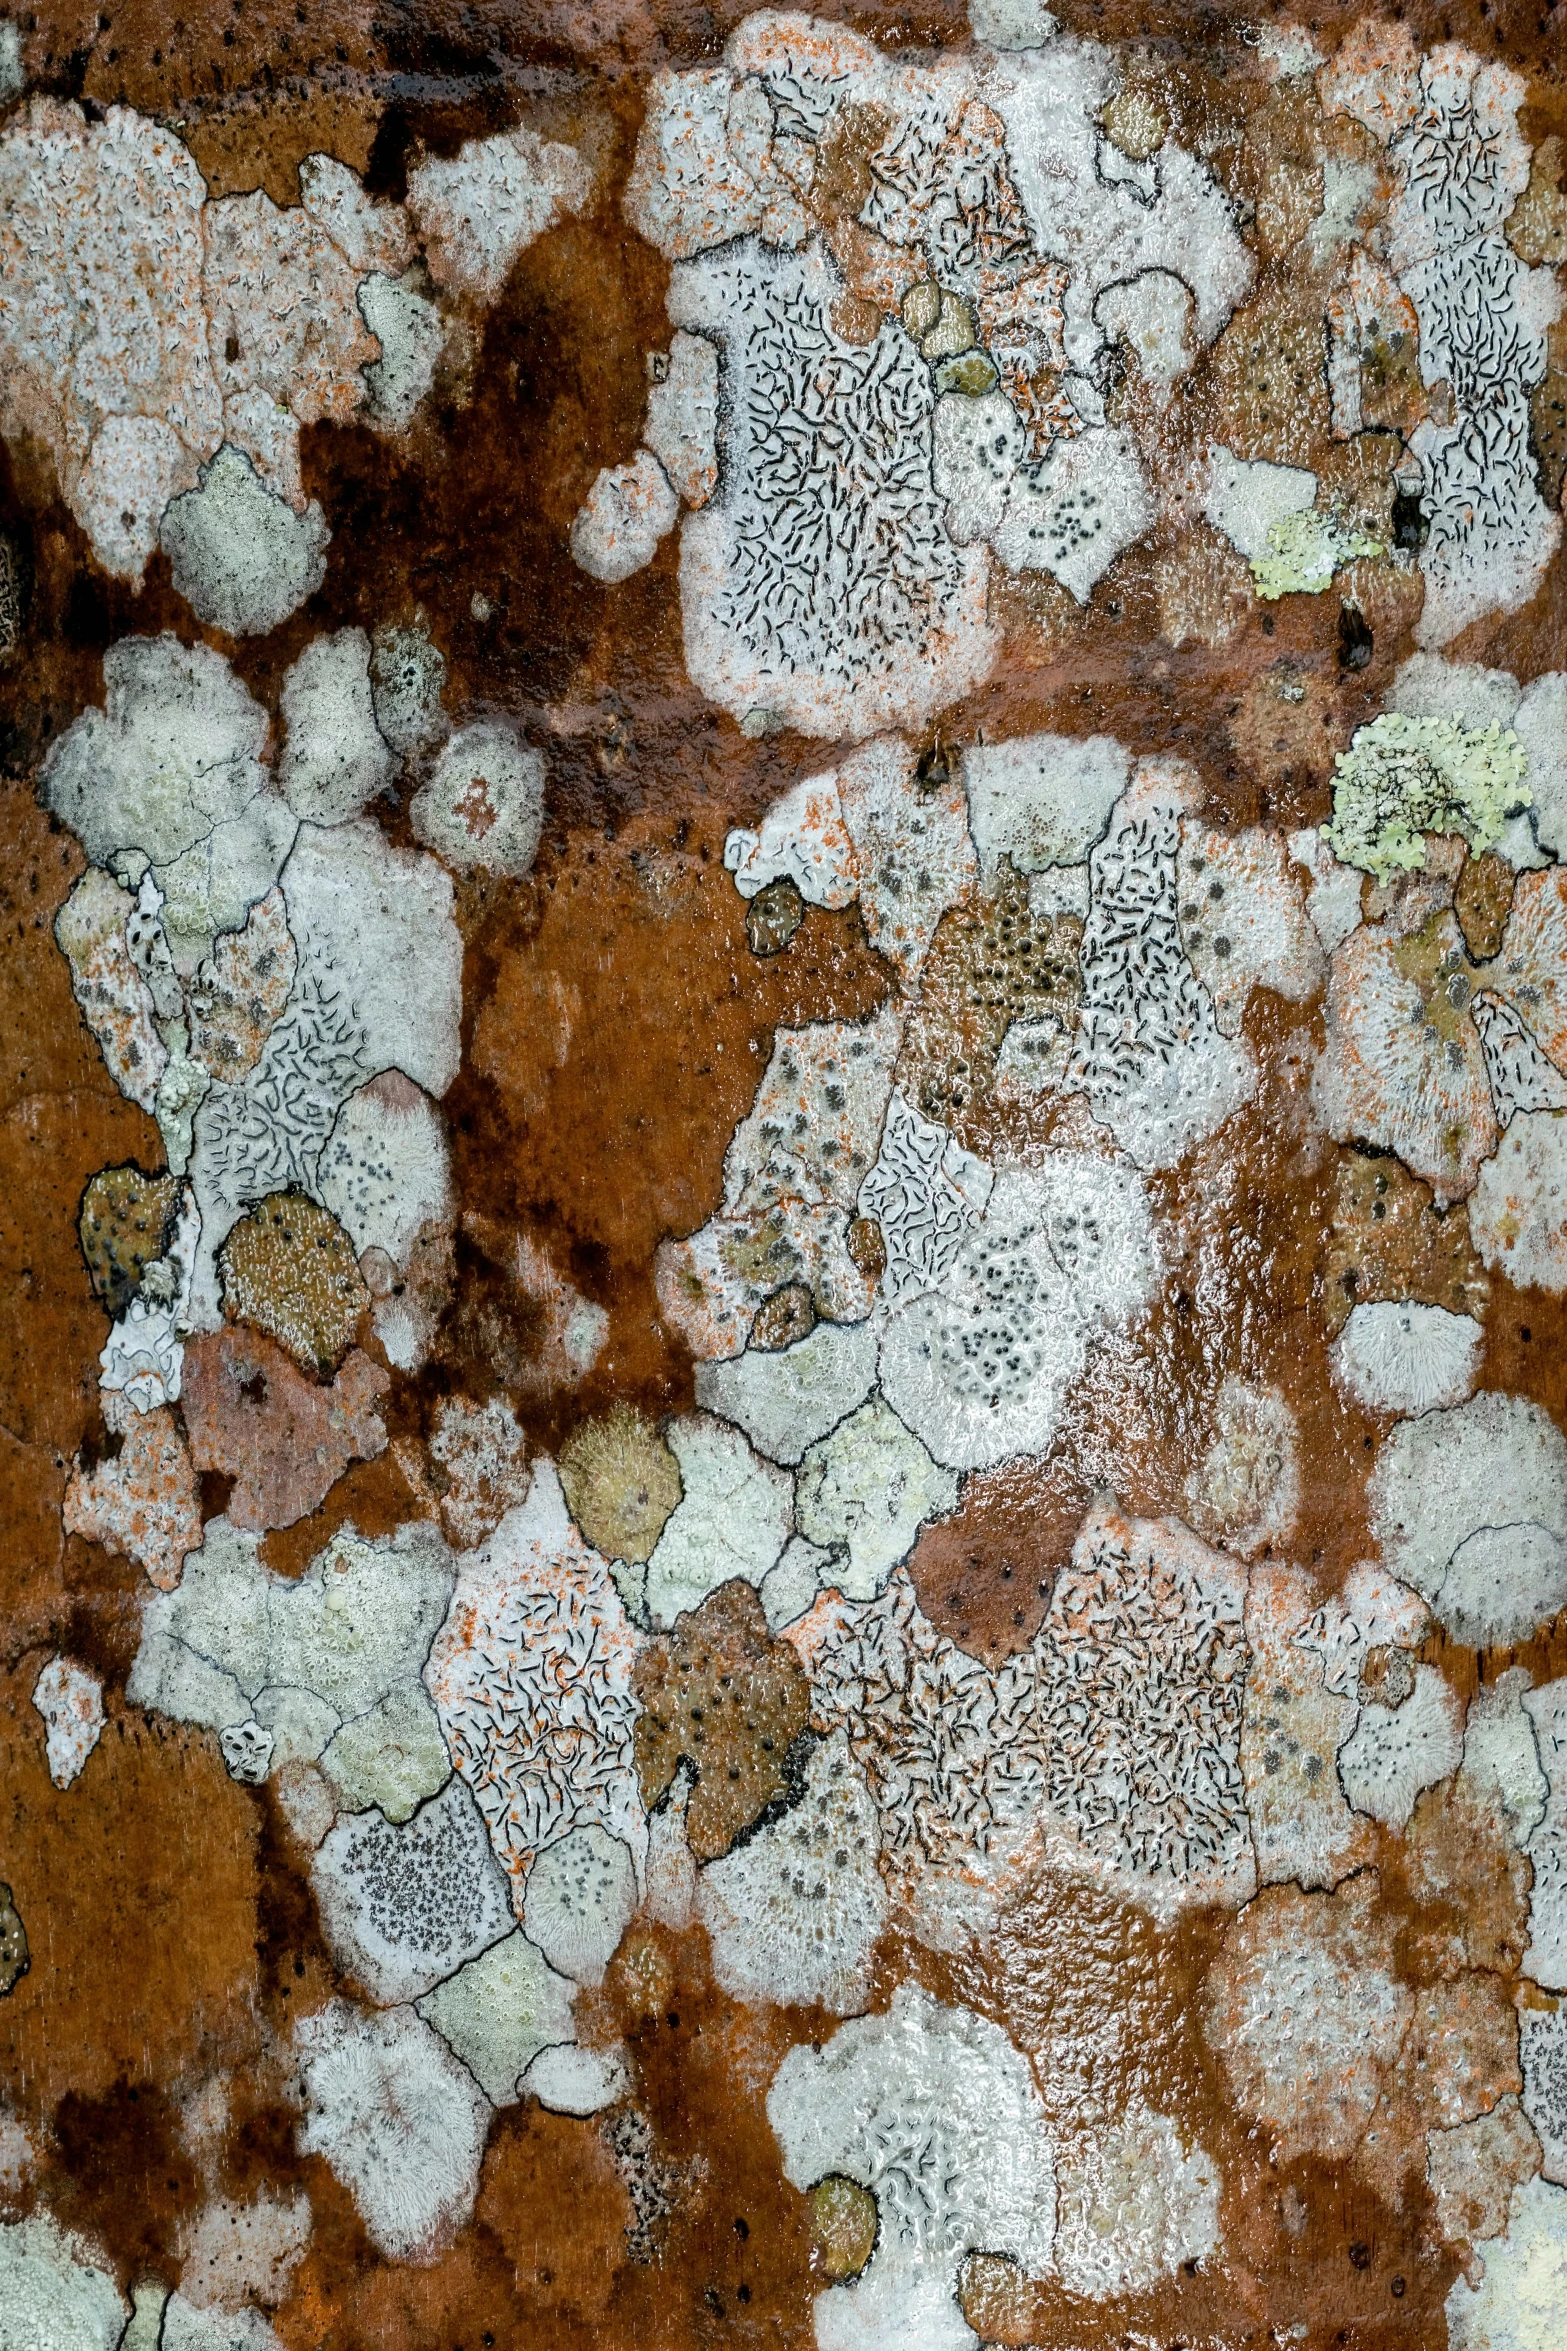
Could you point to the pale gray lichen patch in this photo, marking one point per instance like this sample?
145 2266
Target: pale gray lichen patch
578 1902
537 1633
412 337
1245 1492
483 805
1150 1055
1304 2012
404 1906
569 2080
399 2120
385 1169
1395 1355
407 675
1403 1065
1519 1210
235 1643
105 323
334 760
967 1764
1518 2300
734 1517
1042 800
1073 511
682 417
793 1914
240 555
370 235
926 1194
1137 2203
168 776
497 2012
70 1700
779 608
628 511
1448 123
1470 1506
1542 2054
864 1492
978 1364
391 1756
112 992
792 1176
787 1397
480 209
1546 1958
1293 1727
1396 1751
935 2112
53 2295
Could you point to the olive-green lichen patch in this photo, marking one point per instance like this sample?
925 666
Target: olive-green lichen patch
126 1223
1387 1239
289 1269
15 1959
993 961
788 1316
1403 777
1482 902
773 917
843 2226
621 1482
866 1247
719 1691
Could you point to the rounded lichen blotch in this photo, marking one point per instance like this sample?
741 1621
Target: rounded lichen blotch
621 1482
126 1223
581 1896
1404 777
718 1690
773 916
785 1318
289 1269
15 1958
844 2221
1482 902
996 2298
867 1248
1386 1239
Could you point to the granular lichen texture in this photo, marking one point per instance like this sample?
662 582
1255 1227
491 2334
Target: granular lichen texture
783 1176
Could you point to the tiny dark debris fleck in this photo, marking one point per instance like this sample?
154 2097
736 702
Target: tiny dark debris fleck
1355 641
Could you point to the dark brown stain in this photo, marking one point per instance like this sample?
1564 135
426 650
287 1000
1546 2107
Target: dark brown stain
139 1883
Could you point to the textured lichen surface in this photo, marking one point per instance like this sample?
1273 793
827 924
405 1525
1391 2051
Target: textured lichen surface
783 1177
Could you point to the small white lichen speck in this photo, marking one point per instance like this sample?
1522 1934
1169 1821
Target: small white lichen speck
71 1703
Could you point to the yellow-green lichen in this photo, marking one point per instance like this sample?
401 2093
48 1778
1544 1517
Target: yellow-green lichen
621 1482
1402 778
1304 551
